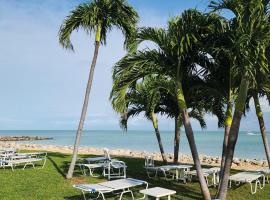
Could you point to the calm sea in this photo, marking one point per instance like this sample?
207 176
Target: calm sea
209 142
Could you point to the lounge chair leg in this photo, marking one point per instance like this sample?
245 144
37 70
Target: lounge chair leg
255 188
132 194
44 163
28 164
126 191
84 197
144 196
263 182
103 197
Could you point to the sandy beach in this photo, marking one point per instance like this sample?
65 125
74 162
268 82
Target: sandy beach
238 163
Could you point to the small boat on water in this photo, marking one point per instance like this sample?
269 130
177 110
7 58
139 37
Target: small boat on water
251 133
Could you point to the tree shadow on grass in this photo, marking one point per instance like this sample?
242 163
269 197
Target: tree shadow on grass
58 155
56 166
75 197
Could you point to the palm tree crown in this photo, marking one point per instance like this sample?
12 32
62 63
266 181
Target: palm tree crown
99 16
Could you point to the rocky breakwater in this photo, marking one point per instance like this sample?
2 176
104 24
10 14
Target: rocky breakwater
22 138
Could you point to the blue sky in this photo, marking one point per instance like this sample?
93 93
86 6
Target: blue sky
42 85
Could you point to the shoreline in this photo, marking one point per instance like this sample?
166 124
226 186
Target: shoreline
238 163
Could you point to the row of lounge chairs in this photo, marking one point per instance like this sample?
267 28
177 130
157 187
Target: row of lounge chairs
10 158
183 172
113 168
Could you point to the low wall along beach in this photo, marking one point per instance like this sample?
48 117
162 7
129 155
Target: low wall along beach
238 163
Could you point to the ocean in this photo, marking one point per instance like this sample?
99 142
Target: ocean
208 142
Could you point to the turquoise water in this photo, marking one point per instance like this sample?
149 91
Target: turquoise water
209 142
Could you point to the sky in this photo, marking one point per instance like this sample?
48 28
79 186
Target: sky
42 85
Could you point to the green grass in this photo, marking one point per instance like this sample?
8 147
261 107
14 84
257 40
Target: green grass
49 183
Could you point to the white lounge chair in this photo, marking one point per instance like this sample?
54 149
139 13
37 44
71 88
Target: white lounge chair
15 160
248 177
112 168
121 185
266 172
152 170
178 172
115 169
91 168
207 172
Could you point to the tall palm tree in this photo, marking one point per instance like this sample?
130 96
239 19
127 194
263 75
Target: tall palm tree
251 40
178 54
219 77
98 17
262 90
142 97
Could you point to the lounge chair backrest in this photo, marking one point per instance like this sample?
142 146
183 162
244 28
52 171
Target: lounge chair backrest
149 161
8 152
120 171
106 153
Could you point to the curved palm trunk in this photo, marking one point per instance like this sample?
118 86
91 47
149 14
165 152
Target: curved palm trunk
262 128
155 125
84 109
176 140
191 140
232 140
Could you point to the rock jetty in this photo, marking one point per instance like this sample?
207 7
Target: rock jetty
22 138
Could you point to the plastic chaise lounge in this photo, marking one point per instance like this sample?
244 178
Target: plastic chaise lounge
266 172
214 172
248 177
111 169
91 167
13 161
122 186
115 169
152 170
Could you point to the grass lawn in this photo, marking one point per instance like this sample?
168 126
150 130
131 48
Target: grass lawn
49 183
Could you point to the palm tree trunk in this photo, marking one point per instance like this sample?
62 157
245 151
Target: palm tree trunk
191 140
233 136
228 123
84 108
262 128
195 155
176 140
155 125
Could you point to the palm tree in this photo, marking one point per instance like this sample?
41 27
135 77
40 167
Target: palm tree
197 102
154 95
262 90
219 77
251 40
142 97
177 55
98 17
